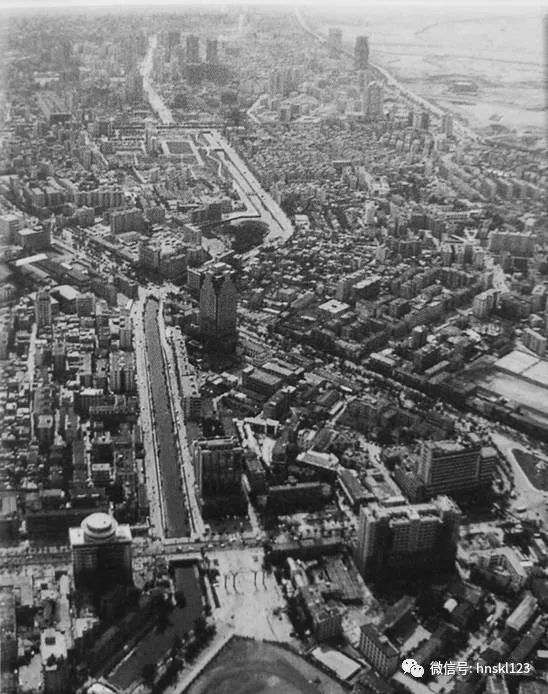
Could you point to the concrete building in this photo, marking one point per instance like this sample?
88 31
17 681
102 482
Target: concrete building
192 49
326 621
334 42
516 243
212 51
34 239
9 226
506 561
218 465
8 631
288 498
415 537
484 303
218 304
447 467
361 53
42 308
523 613
85 304
375 100
534 341
378 650
101 553
447 124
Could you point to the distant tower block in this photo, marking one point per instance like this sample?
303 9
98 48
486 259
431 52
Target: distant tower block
212 51
447 122
101 553
334 42
361 53
363 79
192 49
375 100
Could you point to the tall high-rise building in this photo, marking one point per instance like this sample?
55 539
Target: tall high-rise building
9 226
361 53
8 631
59 357
534 341
218 465
151 135
484 303
101 553
364 79
449 467
425 120
42 308
446 124
218 304
212 51
378 650
334 42
414 537
192 49
85 304
375 100
173 38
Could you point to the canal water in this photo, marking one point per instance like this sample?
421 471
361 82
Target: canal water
186 578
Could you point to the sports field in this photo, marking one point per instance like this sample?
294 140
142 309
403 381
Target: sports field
253 667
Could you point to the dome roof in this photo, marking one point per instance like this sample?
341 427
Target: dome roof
99 527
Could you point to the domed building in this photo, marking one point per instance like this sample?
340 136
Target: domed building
101 553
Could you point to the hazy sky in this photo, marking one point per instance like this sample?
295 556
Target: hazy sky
496 6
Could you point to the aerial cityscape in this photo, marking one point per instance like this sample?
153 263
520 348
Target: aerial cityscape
273 350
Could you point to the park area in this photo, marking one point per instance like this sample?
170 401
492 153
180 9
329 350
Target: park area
246 666
535 469
156 643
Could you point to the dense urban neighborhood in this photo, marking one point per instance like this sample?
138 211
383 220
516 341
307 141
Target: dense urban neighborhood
273 365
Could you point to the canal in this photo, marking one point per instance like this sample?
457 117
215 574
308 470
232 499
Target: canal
174 502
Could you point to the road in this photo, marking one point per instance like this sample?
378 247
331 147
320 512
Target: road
527 495
259 204
155 100
31 361
12 559
251 191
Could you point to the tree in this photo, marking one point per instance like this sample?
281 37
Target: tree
148 673
176 645
199 626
